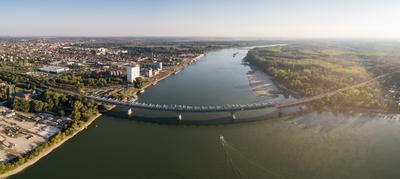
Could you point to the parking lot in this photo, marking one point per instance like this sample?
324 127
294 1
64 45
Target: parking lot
21 132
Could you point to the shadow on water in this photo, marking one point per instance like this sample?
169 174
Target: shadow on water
210 121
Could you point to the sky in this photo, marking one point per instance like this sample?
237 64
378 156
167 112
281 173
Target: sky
202 18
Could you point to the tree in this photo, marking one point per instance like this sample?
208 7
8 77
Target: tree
61 112
21 105
79 85
37 106
76 115
49 106
139 82
25 105
16 104
119 96
78 106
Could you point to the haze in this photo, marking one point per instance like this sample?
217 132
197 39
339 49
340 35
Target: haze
233 18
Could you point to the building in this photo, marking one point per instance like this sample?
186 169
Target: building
148 72
155 66
115 73
53 69
26 95
159 65
132 73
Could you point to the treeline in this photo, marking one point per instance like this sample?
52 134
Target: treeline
48 101
88 79
61 104
305 71
4 91
18 79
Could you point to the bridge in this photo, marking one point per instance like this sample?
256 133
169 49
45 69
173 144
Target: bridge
227 108
184 108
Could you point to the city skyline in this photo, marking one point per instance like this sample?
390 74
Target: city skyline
177 18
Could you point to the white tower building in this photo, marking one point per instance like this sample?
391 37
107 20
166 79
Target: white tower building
132 73
159 66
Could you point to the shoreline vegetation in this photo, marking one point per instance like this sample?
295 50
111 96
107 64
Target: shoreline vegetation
307 70
21 163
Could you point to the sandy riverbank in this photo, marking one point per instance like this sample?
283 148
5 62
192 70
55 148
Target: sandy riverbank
261 84
48 150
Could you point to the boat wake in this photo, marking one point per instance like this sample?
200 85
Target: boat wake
230 152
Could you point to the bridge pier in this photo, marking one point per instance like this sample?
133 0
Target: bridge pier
280 114
130 112
233 115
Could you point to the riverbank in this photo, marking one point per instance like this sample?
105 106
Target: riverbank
261 83
258 72
49 149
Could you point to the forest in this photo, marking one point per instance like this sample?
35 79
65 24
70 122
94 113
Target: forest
310 68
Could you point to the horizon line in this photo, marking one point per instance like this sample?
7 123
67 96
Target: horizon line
197 37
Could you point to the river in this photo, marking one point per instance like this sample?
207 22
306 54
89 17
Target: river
313 145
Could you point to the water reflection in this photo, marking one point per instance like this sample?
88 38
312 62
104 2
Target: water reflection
331 120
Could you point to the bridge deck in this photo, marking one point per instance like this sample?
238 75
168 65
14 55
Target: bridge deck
185 108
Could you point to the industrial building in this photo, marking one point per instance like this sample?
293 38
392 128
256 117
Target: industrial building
53 69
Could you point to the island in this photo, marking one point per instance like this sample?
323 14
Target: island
311 68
